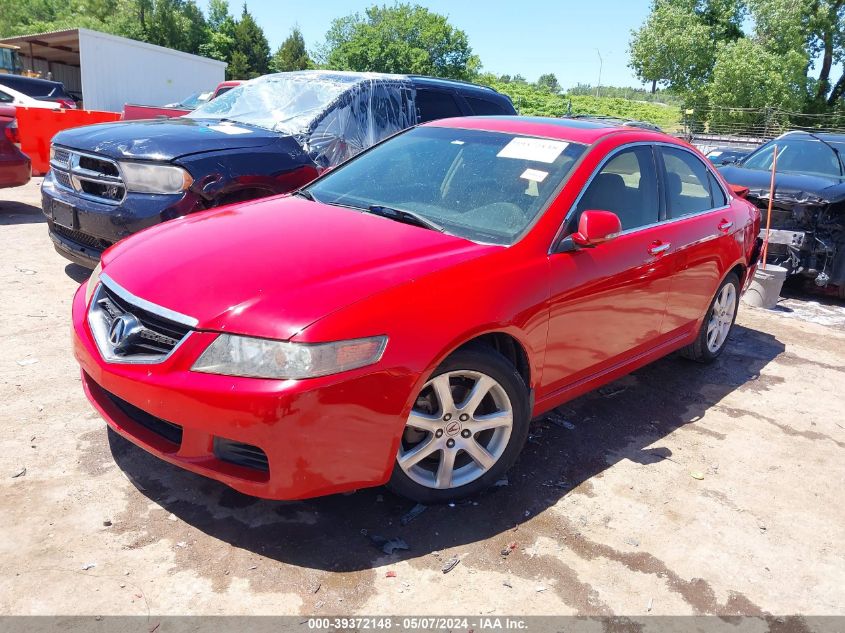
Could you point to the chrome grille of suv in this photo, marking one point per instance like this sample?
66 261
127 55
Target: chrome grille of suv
128 329
88 175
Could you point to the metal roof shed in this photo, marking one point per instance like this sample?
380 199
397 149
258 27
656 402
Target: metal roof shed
110 71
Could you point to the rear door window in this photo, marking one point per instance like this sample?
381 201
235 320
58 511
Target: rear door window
435 104
689 184
627 186
481 107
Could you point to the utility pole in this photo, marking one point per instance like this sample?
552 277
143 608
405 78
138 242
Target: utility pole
601 63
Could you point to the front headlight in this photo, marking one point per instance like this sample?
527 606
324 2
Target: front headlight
93 282
154 178
233 355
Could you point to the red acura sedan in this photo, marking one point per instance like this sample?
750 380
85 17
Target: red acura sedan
402 318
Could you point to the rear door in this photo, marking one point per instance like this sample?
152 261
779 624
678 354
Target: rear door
702 229
608 302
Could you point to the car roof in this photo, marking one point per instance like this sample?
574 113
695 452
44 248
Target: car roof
575 130
827 136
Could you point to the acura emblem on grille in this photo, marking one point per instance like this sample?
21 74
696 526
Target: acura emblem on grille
123 331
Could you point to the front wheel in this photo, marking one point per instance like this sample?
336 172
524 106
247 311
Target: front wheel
717 323
467 426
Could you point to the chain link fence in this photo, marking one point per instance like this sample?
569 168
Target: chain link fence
754 125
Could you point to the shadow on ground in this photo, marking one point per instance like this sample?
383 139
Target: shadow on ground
77 273
15 212
623 420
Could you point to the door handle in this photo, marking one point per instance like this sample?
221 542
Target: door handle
658 248
725 225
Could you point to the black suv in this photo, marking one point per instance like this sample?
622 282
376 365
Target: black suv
41 89
268 136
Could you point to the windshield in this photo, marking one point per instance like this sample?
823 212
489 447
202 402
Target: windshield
195 99
800 156
483 186
286 102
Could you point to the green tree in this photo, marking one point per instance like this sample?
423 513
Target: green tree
402 38
779 80
814 28
549 82
220 34
676 46
292 54
251 44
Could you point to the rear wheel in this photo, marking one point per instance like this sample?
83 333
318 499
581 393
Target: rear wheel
466 428
717 324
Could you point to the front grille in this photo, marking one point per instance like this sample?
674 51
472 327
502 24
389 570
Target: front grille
62 178
89 175
240 454
130 330
61 156
167 430
79 237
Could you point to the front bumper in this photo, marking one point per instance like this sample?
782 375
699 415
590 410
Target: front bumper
94 226
320 436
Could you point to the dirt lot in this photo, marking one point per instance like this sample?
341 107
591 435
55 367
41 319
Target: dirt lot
678 490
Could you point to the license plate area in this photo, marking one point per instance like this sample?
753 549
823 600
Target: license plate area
64 215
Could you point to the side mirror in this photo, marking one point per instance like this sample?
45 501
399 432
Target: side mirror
739 190
596 227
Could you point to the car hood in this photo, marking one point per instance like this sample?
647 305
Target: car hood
162 139
273 267
797 188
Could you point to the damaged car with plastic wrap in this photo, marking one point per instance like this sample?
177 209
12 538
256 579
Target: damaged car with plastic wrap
268 136
808 210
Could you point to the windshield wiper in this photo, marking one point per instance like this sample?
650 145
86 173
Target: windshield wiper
304 193
408 217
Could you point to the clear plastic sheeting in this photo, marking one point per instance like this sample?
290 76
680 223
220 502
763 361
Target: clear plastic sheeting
333 115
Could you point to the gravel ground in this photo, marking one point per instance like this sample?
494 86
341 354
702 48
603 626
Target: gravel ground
680 489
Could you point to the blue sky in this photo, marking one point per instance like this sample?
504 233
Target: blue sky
510 36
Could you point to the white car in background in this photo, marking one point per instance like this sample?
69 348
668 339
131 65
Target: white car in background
9 96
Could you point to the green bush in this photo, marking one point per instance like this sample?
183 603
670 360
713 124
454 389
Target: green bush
532 101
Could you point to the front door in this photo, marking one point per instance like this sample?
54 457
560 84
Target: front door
608 302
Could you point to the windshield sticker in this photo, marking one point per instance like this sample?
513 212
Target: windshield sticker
457 142
230 129
534 175
539 149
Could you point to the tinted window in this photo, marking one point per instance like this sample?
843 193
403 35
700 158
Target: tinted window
687 183
716 192
626 185
433 105
31 87
484 186
483 107
6 98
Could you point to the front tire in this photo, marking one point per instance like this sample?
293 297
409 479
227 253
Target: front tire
717 324
467 426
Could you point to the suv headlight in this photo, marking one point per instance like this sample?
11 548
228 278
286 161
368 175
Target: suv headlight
154 177
233 355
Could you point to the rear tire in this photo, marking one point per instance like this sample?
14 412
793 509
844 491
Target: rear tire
467 426
717 325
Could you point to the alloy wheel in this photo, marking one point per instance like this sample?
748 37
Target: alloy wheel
721 318
458 429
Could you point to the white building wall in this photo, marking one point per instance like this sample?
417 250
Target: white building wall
117 70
